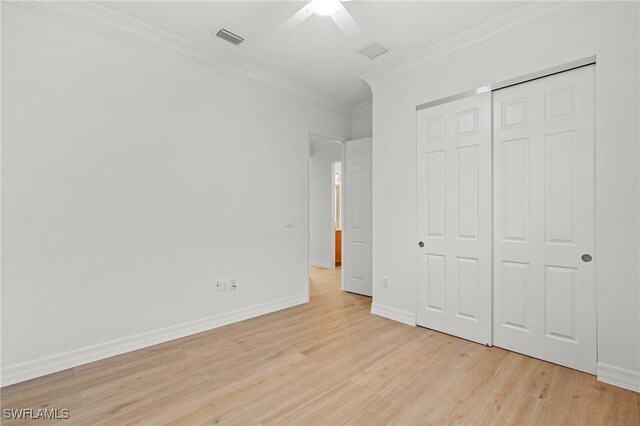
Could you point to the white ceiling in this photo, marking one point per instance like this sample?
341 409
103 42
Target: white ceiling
316 54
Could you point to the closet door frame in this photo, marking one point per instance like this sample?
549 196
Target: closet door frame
588 61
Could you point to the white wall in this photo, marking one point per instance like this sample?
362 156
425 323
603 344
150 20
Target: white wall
362 120
321 242
608 30
130 183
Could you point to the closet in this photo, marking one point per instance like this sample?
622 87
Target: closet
505 210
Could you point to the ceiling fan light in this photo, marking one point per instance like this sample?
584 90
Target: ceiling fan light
325 7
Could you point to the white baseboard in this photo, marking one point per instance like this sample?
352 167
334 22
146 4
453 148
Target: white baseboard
617 376
404 317
321 264
51 364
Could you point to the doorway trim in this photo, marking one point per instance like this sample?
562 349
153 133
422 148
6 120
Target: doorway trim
307 220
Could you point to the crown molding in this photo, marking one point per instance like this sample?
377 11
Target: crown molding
115 25
478 38
362 110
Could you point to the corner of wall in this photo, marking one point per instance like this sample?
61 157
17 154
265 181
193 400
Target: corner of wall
617 376
362 120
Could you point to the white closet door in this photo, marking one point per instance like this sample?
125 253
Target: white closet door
454 218
544 292
357 260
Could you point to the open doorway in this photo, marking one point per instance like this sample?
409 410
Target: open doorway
336 198
325 206
340 213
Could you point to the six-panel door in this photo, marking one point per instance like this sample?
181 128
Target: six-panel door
544 293
358 189
454 218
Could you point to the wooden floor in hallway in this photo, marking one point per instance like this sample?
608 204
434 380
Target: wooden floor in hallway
327 362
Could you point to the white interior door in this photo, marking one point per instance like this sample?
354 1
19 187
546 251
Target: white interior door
544 291
454 218
357 236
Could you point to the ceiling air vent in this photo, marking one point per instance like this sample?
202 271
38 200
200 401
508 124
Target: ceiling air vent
373 50
229 36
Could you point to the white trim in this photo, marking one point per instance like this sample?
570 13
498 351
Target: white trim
617 376
321 264
40 367
404 317
477 38
107 22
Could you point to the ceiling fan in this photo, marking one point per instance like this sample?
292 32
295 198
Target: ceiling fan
332 8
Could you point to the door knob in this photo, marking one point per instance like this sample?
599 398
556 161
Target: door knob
421 244
586 258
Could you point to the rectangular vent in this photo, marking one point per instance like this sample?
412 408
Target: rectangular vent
229 36
373 50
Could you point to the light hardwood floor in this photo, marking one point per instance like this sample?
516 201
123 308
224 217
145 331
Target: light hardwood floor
326 362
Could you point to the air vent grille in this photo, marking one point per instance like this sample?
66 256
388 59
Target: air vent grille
373 50
229 36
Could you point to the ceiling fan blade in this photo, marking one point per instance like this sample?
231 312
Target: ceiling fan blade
345 22
297 19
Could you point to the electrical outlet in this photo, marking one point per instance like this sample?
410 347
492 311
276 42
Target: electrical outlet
385 281
226 285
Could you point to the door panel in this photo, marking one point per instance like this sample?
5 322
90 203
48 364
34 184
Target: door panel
544 219
435 282
436 214
515 189
454 218
357 262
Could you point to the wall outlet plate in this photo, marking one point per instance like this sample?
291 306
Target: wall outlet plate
385 281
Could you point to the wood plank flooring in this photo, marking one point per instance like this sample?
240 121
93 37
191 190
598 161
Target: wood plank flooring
327 362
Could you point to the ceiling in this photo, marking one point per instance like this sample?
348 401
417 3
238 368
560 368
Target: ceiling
316 54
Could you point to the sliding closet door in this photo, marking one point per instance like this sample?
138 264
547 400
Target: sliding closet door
454 218
544 290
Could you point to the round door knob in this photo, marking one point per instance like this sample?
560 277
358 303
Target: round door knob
586 258
421 244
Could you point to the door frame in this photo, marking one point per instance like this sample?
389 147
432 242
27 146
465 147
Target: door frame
332 231
547 72
307 221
